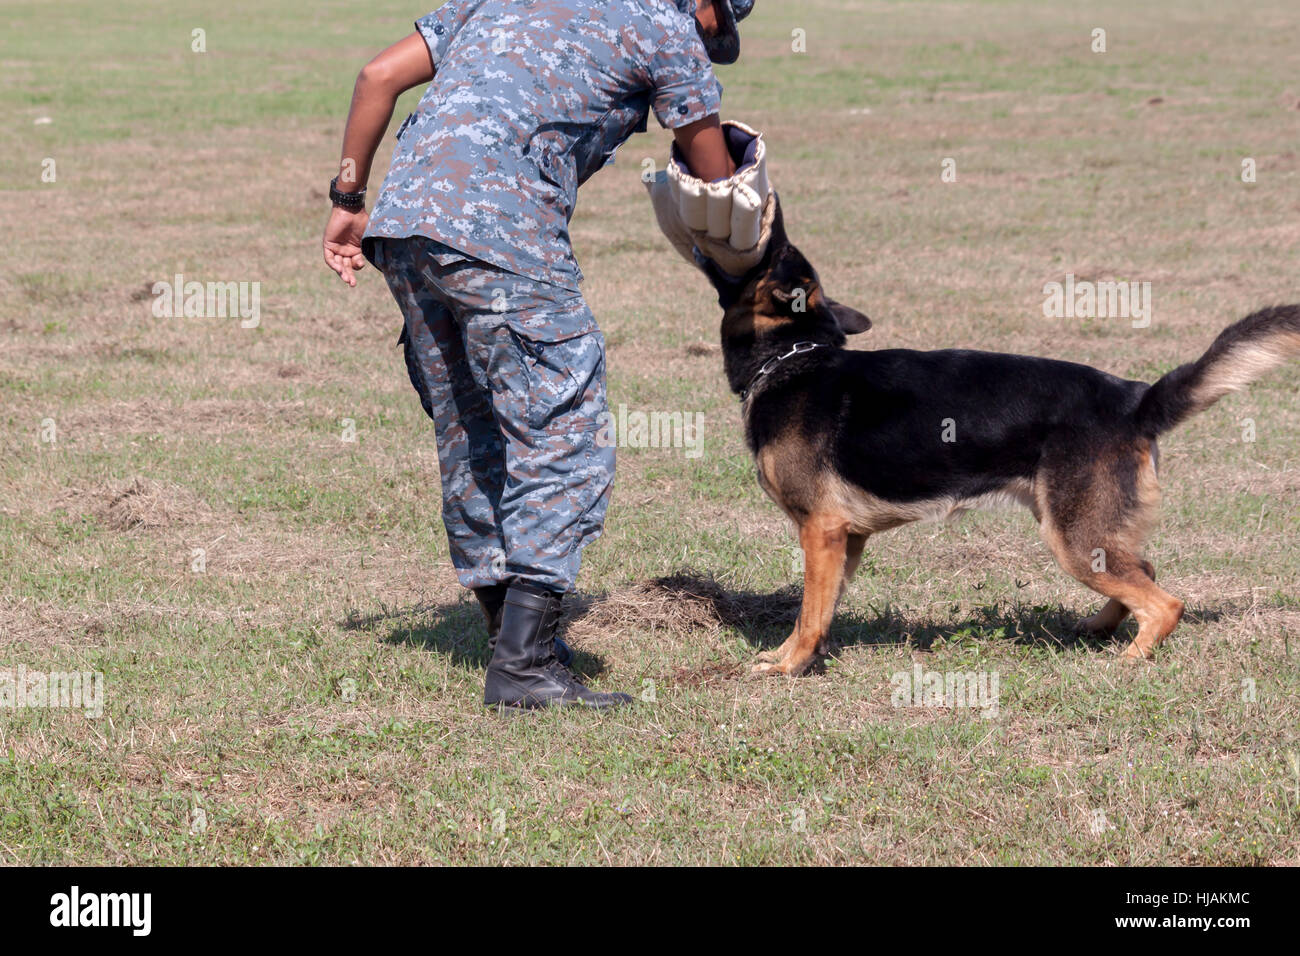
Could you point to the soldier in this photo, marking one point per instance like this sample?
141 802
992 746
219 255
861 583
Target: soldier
528 99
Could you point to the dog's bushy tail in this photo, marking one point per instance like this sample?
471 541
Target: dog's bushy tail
1242 353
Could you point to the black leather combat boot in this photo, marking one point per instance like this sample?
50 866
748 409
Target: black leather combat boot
492 600
523 671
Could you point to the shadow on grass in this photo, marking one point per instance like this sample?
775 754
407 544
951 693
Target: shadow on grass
456 629
692 601
765 620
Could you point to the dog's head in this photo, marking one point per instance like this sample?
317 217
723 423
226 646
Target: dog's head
781 297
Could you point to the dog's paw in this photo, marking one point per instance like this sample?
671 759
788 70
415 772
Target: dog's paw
777 668
1136 652
785 666
770 657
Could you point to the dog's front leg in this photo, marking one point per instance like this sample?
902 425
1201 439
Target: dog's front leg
825 541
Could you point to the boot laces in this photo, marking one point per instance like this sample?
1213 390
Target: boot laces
553 665
562 673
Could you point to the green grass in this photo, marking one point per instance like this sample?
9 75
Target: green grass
315 690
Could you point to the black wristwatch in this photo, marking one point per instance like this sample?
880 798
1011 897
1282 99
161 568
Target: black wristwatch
356 200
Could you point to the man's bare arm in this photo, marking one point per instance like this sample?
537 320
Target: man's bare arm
705 149
403 65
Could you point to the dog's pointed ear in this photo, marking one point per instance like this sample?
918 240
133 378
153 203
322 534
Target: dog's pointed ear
850 321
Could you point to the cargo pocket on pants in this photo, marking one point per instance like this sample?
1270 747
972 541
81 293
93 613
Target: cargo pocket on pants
562 379
552 386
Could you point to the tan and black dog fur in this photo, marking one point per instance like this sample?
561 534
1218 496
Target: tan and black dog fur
851 443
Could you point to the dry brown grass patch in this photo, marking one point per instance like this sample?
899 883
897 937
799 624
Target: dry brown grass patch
685 603
144 503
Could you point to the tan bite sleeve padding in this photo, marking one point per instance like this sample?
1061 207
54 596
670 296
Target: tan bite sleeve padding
755 176
749 194
729 207
692 197
730 220
719 209
664 201
746 217
737 261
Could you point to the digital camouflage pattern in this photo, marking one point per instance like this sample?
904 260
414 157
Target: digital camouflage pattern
528 100
512 372
471 229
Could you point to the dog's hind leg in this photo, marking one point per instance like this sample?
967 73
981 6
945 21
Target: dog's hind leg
1095 509
825 542
852 558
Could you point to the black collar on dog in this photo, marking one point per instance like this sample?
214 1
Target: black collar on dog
797 349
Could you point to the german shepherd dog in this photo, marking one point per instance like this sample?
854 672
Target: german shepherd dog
851 443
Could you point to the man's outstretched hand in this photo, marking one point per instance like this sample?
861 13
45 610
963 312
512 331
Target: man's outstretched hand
343 235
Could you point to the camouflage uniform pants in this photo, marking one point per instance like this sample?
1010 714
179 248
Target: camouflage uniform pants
512 372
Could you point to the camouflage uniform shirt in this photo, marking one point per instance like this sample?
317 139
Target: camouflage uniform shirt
529 98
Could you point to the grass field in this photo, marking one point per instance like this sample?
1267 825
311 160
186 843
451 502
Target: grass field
307 688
